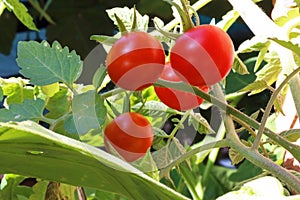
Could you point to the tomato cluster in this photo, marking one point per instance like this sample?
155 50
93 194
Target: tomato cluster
201 57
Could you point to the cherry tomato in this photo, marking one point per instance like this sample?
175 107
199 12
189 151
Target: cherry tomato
135 61
177 99
130 134
203 55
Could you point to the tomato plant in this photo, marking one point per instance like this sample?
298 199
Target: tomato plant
135 61
177 99
54 130
203 55
130 134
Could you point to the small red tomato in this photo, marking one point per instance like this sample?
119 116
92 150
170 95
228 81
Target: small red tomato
135 61
177 99
203 55
130 134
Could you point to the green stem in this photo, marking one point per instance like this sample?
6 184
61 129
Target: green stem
269 107
292 148
196 6
253 155
187 155
112 92
213 155
180 123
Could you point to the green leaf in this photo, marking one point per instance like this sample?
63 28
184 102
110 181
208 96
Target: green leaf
239 66
28 110
59 104
155 111
254 44
16 90
39 190
1 94
260 58
72 162
51 89
291 135
289 45
104 39
228 19
289 14
235 157
265 78
21 13
127 15
45 65
99 77
10 188
89 111
200 123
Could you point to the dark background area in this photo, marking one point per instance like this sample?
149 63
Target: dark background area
75 21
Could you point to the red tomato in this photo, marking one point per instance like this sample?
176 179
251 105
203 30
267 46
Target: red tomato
130 134
203 55
135 61
177 99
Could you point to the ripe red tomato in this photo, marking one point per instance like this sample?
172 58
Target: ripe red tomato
203 55
130 134
135 61
177 99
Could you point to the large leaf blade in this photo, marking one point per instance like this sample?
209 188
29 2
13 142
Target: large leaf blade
51 156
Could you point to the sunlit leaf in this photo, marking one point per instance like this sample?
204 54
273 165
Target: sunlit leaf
289 45
228 19
291 135
39 190
51 89
21 13
254 44
239 66
45 64
126 15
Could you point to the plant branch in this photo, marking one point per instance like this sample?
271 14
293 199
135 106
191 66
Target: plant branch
187 155
292 148
252 154
269 107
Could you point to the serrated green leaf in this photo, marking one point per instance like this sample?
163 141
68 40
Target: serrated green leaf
89 111
45 65
50 90
21 13
59 104
72 162
239 66
265 78
28 110
291 135
228 19
16 90
200 123
127 15
289 45
254 44
155 111
289 14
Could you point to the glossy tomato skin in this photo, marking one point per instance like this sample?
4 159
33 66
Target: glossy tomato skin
130 134
177 99
203 55
135 61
